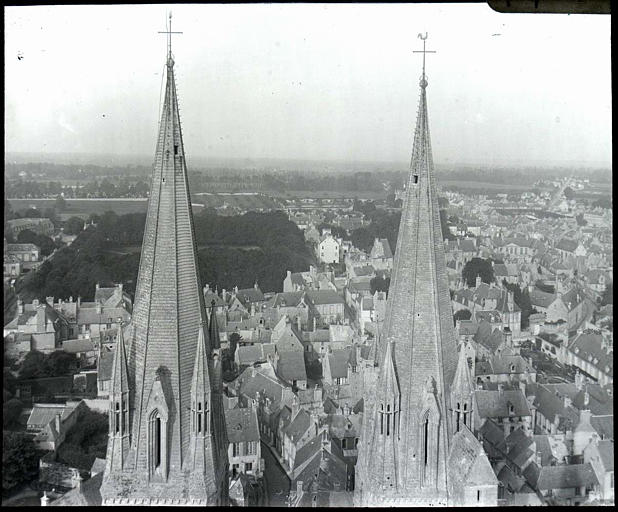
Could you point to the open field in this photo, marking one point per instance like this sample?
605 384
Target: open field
84 207
329 194
244 201
481 185
135 249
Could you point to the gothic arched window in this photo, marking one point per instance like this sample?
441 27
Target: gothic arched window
465 415
157 444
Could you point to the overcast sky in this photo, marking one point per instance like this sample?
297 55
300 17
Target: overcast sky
311 81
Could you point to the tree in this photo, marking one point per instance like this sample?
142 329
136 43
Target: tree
20 459
74 226
33 365
569 193
608 295
61 204
380 284
46 244
60 363
477 267
234 340
11 411
462 314
579 218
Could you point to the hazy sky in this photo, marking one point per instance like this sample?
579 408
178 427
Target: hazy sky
311 81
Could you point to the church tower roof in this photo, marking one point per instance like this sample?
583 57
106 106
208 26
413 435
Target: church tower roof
419 325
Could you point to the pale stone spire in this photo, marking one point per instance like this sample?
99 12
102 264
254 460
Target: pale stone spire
119 426
418 329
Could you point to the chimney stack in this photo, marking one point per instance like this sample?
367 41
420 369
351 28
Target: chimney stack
50 301
44 499
97 286
58 422
478 281
20 306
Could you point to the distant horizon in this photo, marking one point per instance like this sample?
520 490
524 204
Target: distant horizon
89 158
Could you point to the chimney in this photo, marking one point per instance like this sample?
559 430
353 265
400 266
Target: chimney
584 416
120 286
289 274
79 301
295 406
314 323
586 397
252 309
20 306
97 286
224 294
99 308
298 323
58 422
579 380
78 481
567 401
206 288
35 303
71 299
299 488
50 301
478 281
44 499
510 298
500 387
235 289
538 459
255 285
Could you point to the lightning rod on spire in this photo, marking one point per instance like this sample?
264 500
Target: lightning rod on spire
423 51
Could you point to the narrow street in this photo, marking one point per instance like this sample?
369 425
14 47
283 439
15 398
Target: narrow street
276 482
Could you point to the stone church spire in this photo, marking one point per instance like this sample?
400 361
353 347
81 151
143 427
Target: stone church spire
167 320
418 330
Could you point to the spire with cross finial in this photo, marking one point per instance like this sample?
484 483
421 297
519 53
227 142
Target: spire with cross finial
423 51
170 60
406 434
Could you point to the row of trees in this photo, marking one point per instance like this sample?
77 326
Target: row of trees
122 187
235 251
37 365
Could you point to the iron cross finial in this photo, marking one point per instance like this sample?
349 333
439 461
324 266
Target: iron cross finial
423 51
169 36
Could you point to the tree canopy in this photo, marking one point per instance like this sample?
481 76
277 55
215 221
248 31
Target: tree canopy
477 267
74 226
380 284
462 314
20 459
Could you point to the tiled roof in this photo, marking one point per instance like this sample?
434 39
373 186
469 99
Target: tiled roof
338 362
319 297
88 496
308 451
42 414
540 298
604 425
242 425
589 347
291 366
567 245
492 316
467 327
468 463
79 345
551 405
341 426
495 404
565 477
510 480
606 451
299 425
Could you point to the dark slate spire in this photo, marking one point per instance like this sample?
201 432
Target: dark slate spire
168 316
419 325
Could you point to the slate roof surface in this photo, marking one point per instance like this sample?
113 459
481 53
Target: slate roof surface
338 362
88 496
291 366
242 425
42 414
604 425
299 425
495 404
606 452
550 405
341 426
468 463
320 297
541 298
564 477
79 345
510 480
589 347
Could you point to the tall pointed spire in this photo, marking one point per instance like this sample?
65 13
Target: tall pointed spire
419 325
167 322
